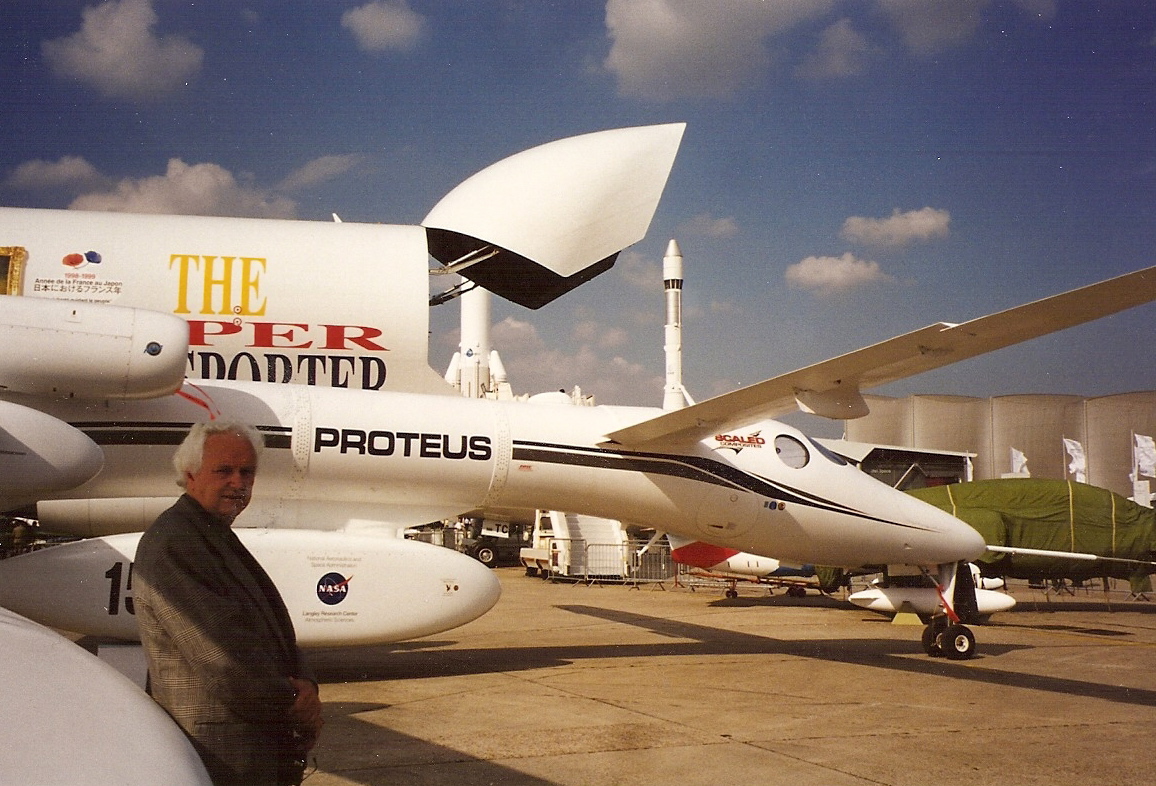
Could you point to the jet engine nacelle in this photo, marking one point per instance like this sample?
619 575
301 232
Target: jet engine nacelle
69 349
41 455
341 589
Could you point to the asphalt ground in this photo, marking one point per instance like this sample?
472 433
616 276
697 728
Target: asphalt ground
575 684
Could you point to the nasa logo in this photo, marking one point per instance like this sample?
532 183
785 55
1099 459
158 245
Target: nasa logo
333 588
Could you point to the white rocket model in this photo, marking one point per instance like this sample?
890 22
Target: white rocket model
476 369
474 350
674 394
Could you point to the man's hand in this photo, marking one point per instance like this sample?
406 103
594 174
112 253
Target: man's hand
305 714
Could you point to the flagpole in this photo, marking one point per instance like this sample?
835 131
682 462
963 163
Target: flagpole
1135 460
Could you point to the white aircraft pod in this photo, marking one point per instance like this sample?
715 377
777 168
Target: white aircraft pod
341 589
70 718
923 601
41 455
141 353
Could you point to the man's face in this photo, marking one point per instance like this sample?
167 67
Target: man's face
224 483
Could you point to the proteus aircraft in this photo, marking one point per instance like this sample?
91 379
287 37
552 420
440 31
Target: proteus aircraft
358 456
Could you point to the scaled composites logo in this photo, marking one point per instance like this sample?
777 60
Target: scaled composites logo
738 443
333 588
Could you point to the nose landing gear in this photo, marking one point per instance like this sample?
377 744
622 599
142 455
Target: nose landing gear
946 635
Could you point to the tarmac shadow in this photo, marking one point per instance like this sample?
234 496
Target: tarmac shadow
357 750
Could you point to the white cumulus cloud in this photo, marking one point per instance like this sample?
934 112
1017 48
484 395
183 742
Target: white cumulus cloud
117 51
591 362
639 271
320 170
827 276
707 225
667 49
69 172
899 229
189 189
384 25
843 51
930 26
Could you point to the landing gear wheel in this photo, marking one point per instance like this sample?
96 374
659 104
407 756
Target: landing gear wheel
957 642
732 593
931 640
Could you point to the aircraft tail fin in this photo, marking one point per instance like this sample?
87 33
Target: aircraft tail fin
537 224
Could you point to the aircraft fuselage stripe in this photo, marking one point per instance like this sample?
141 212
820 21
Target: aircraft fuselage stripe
696 468
125 433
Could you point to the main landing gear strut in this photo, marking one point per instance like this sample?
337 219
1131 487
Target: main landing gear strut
946 635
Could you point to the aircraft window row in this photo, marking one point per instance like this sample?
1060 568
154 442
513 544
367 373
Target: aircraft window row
791 451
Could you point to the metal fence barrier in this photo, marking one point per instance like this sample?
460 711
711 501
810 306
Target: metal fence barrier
632 562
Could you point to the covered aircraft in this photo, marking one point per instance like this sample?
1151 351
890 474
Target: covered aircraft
1053 529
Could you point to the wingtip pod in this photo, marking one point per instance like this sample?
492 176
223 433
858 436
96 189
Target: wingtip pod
548 219
341 588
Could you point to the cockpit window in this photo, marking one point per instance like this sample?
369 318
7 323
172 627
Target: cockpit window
828 452
791 451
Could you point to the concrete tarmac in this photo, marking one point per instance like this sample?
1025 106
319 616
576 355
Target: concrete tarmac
602 685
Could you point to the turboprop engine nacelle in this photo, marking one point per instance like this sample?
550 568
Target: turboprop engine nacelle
341 589
71 349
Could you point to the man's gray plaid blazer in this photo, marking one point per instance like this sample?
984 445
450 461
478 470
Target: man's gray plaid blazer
220 645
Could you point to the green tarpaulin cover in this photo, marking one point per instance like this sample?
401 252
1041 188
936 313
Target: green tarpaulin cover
1055 515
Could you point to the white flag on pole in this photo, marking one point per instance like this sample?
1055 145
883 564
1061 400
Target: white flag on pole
1145 451
1077 464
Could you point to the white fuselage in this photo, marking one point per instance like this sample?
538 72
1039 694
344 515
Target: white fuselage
384 450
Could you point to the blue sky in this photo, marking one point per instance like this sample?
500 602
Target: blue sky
850 171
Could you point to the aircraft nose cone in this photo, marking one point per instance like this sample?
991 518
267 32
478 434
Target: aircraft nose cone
950 539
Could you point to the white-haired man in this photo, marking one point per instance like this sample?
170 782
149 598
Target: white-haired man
222 654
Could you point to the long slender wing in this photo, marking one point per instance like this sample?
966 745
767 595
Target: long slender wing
832 388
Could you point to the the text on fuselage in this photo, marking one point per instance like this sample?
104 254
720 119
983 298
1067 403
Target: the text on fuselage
403 443
230 286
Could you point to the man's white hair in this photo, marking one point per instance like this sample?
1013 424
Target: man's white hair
190 454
